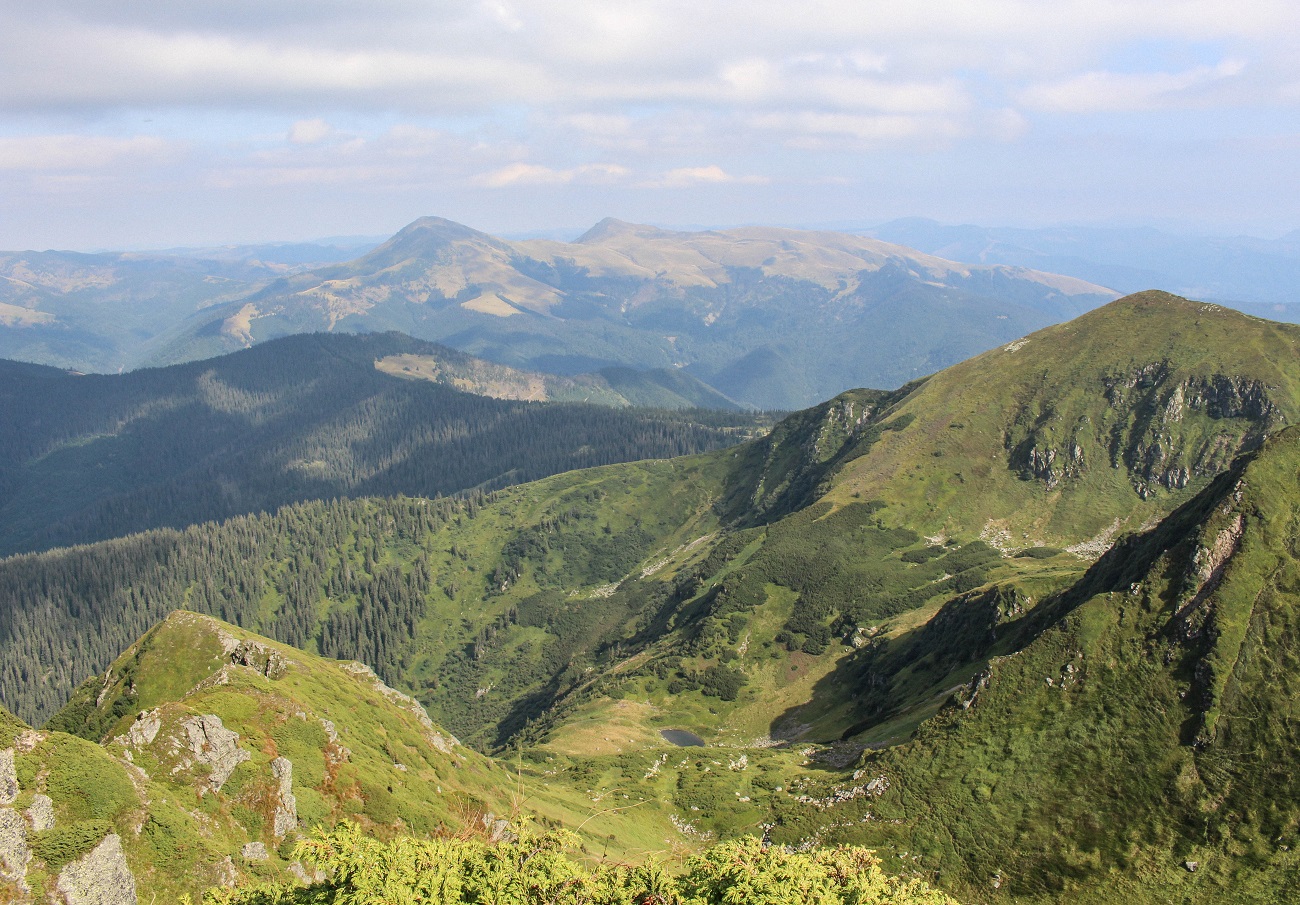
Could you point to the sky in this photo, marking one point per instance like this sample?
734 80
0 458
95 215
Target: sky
138 124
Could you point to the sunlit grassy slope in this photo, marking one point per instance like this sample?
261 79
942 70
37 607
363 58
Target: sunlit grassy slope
847 585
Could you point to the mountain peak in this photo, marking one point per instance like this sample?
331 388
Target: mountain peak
1156 303
426 237
438 226
611 228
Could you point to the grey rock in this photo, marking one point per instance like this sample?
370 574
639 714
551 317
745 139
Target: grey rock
254 851
144 730
261 658
100 877
14 853
215 746
286 811
40 814
305 876
227 874
1191 866
8 777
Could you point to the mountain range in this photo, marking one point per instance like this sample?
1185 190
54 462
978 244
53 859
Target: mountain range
105 311
1026 626
1257 276
89 457
772 318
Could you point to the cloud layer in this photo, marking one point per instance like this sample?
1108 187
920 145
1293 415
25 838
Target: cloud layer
458 97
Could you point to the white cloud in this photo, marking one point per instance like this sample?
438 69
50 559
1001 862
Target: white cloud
310 131
812 129
534 174
1098 92
76 152
684 177
413 56
465 101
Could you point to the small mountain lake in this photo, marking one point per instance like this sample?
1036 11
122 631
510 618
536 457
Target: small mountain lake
681 738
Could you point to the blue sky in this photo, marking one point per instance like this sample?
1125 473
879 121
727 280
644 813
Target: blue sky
139 124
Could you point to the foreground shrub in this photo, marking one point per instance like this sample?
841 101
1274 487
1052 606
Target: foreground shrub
537 869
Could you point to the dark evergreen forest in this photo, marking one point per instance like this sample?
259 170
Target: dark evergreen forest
91 457
68 613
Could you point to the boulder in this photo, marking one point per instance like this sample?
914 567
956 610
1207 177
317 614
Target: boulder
40 814
14 853
260 658
144 730
214 746
8 777
286 810
100 877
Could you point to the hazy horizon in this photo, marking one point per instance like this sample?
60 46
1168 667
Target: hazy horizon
145 126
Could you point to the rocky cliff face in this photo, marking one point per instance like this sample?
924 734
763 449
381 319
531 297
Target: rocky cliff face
789 468
14 852
1164 429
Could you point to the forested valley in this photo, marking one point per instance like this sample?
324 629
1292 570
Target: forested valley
91 457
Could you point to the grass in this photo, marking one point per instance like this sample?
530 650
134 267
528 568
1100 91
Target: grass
568 621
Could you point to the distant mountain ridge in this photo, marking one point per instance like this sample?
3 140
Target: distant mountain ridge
1259 276
105 311
774 318
1026 626
310 417
770 317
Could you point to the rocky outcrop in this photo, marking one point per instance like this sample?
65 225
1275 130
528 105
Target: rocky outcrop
1207 567
227 874
8 777
1160 453
440 740
256 656
214 746
14 853
100 877
305 876
1145 429
143 731
40 814
254 851
1047 464
286 809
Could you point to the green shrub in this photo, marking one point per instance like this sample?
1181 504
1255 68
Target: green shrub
65 844
537 869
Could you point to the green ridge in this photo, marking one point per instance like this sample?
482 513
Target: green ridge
91 457
783 601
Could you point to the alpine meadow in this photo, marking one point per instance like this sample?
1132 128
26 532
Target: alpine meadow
1024 630
554 452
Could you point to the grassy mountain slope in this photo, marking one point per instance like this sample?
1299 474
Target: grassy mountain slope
308 417
783 601
1129 736
660 565
772 318
245 745
203 738
1065 435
